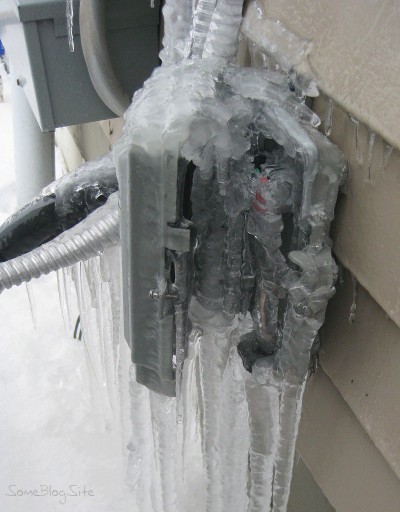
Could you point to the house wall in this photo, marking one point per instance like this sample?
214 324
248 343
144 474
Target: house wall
349 432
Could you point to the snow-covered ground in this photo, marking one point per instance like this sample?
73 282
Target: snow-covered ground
51 442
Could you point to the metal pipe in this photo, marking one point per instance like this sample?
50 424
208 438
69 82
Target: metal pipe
87 239
58 208
33 149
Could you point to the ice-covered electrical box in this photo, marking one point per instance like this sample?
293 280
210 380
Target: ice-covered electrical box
55 80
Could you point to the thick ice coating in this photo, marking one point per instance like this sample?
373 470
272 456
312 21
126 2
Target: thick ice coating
58 207
227 193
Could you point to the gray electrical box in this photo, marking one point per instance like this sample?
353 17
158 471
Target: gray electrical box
55 80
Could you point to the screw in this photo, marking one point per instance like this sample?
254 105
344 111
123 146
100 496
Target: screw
155 295
173 296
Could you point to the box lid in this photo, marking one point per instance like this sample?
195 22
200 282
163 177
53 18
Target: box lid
120 13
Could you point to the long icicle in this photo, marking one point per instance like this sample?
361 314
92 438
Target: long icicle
289 420
262 388
177 37
222 38
70 24
141 449
301 328
163 411
234 437
201 25
213 358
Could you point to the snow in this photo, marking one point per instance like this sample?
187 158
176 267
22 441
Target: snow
7 180
49 432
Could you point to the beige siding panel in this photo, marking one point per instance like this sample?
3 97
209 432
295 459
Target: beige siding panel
353 52
366 230
305 494
69 147
112 129
362 360
342 459
92 140
88 141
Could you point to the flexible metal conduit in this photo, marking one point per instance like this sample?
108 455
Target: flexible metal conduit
92 26
85 240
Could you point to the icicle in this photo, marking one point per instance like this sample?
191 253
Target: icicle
214 353
222 38
92 271
163 410
233 263
177 36
353 307
32 304
112 260
259 59
183 264
122 373
70 24
105 320
340 275
386 153
92 340
263 400
371 144
328 117
260 10
141 449
64 298
201 24
211 368
289 419
234 437
181 333
190 398
357 138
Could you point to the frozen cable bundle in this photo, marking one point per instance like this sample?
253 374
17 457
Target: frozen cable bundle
227 191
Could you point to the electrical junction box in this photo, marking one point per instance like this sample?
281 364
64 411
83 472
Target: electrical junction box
55 80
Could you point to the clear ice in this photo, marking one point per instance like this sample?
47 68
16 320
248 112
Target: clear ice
356 123
353 307
69 8
263 191
328 117
227 192
386 154
32 303
370 155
